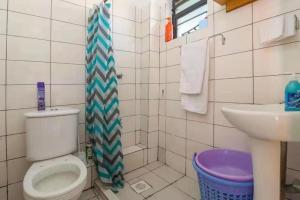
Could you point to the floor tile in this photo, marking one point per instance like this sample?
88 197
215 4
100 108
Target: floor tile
127 193
188 186
170 193
153 180
154 165
168 174
87 195
136 173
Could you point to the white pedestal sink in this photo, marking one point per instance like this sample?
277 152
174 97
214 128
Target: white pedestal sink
267 126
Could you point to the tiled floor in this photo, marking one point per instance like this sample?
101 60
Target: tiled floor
89 195
166 183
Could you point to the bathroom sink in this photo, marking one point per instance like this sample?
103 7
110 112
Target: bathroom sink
267 126
267 122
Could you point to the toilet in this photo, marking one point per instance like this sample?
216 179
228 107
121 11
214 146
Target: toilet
51 138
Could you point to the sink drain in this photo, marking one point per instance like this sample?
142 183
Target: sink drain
140 186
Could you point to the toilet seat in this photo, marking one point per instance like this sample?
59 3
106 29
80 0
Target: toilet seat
55 179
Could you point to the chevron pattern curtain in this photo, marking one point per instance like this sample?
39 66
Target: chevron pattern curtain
103 122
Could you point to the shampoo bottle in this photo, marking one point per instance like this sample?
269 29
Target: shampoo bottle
41 96
292 95
169 30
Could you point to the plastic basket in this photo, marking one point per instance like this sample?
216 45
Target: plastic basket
215 188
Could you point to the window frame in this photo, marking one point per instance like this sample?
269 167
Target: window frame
176 16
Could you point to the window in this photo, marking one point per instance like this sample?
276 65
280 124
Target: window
187 15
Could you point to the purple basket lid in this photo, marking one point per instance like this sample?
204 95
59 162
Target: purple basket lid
226 164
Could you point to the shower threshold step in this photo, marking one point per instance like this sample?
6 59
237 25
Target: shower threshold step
133 149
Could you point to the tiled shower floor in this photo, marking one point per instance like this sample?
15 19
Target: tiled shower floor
165 183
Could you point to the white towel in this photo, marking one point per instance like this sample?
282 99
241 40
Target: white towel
277 29
193 63
198 103
271 30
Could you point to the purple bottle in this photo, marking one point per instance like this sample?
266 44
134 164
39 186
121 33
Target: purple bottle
41 96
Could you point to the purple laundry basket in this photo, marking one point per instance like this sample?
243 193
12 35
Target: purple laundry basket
224 175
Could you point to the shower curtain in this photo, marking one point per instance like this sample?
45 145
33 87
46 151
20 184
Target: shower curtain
103 123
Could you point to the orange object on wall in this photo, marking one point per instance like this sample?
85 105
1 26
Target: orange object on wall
169 30
221 2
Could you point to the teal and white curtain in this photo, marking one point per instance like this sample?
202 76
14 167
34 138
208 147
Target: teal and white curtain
103 122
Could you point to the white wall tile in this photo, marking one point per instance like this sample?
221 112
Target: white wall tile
177 162
67 94
123 42
153 139
265 8
268 90
231 138
16 121
2 72
128 75
15 146
67 53
234 90
27 49
207 118
3 4
173 91
2 97
173 74
17 169
22 72
3 18
175 144
32 7
28 26
154 75
124 59
2 123
2 47
3 148
200 132
176 127
195 147
126 91
28 95
66 32
175 109
128 124
3 175
238 40
127 108
232 66
173 57
277 60
75 14
67 74
15 191
124 26
123 9
227 21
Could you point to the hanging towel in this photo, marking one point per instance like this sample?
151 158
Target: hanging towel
193 64
103 123
277 29
271 30
197 102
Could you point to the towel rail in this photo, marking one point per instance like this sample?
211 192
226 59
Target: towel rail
219 34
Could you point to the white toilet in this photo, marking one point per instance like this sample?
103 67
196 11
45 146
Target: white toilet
51 137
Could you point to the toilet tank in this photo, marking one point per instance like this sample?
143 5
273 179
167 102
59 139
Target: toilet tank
51 133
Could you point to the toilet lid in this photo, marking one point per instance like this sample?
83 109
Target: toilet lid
55 177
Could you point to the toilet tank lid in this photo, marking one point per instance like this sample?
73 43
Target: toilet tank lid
51 112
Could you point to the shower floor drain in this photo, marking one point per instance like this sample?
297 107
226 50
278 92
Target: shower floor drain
140 187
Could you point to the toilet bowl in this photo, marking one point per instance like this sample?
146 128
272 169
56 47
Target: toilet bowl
62 178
